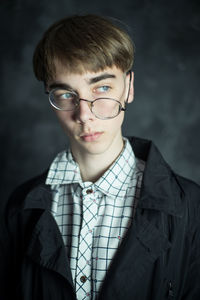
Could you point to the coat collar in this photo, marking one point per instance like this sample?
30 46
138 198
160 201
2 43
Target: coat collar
160 188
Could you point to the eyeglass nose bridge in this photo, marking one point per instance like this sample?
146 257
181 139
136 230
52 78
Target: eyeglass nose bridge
90 103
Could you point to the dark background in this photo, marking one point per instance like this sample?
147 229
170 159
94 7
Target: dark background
167 72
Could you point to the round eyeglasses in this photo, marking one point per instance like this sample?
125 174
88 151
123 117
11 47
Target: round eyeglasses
102 108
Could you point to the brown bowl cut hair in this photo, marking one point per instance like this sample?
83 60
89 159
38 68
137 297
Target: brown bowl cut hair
82 43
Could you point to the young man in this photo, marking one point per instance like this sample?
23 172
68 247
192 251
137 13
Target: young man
109 219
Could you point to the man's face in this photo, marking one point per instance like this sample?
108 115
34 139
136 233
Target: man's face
87 133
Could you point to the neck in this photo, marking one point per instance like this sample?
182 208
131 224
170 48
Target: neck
92 166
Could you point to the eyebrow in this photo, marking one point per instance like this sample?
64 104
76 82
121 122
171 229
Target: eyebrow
100 77
60 85
90 81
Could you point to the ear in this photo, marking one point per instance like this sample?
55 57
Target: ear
131 91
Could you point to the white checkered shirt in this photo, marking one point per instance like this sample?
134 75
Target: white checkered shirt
94 217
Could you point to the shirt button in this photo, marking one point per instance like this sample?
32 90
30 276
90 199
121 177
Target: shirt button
89 191
83 279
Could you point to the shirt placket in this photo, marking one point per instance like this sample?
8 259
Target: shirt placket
89 220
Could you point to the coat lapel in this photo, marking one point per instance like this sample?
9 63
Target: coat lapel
133 264
46 246
160 189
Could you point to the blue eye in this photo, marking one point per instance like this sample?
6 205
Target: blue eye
63 95
104 88
67 96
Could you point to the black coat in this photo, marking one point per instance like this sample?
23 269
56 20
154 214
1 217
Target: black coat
159 258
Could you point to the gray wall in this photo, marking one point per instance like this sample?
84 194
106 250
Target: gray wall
167 72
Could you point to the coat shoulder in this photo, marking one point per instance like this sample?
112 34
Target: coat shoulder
191 198
190 188
16 199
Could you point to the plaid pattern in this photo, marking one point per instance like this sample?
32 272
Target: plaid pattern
94 217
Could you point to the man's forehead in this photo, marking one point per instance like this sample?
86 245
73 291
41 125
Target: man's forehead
62 73
81 69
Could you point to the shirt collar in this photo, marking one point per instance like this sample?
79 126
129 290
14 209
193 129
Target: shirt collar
63 170
114 182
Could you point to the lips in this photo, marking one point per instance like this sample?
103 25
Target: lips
90 137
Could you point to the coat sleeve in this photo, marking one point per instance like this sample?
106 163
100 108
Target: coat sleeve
11 240
192 287
12 237
6 259
192 284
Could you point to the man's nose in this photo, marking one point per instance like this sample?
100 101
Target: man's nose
84 113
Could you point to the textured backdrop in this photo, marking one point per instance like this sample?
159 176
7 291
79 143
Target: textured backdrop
167 72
